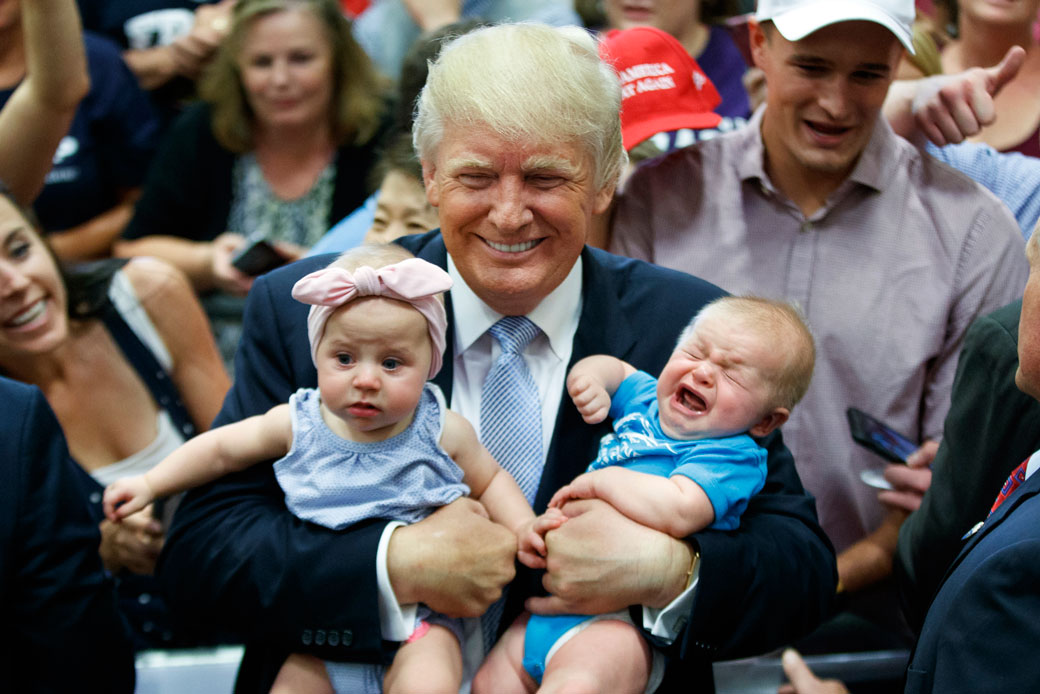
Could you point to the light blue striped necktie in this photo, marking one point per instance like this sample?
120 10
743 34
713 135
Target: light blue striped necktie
511 423
510 409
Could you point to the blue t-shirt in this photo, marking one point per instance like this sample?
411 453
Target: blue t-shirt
108 147
144 24
140 24
730 469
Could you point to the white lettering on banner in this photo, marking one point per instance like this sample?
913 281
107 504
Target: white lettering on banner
68 146
637 72
64 174
650 84
158 27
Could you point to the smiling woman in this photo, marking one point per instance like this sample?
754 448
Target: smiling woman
282 144
107 345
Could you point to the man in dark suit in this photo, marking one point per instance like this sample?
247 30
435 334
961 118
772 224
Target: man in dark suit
62 631
991 427
516 175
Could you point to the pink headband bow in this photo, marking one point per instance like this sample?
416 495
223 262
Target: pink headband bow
414 281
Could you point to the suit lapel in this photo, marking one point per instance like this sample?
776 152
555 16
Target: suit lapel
1029 488
600 331
431 249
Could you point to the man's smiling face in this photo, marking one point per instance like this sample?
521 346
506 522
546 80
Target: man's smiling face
824 95
514 216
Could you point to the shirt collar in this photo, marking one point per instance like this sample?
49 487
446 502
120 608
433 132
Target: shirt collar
556 315
874 168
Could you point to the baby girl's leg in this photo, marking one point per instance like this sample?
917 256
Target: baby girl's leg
303 674
607 656
429 665
502 671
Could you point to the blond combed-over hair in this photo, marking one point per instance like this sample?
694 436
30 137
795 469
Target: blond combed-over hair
527 83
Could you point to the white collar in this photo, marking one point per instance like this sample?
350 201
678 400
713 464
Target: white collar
556 315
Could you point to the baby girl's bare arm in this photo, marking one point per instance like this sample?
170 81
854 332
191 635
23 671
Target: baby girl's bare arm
202 459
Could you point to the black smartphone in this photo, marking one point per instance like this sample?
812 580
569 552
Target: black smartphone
257 257
879 437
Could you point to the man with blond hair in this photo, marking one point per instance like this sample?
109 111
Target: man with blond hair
520 140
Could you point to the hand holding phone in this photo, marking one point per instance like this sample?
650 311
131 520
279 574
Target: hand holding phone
879 437
257 257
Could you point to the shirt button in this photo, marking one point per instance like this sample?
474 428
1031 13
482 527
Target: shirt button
95 497
306 637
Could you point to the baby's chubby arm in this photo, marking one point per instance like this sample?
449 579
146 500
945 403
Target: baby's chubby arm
593 381
489 483
202 459
674 505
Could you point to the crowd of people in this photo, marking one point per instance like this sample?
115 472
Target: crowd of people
451 345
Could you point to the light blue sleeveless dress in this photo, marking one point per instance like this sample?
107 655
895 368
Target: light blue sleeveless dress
335 483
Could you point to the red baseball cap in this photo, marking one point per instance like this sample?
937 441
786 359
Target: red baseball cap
662 87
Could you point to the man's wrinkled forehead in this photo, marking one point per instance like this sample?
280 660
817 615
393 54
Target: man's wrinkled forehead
531 164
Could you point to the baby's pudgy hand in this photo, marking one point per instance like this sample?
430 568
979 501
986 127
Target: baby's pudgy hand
580 488
126 496
531 538
589 396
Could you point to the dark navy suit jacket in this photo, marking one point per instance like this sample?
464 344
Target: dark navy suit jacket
235 554
991 427
983 627
62 631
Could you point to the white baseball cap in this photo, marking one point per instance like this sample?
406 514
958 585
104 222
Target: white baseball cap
796 19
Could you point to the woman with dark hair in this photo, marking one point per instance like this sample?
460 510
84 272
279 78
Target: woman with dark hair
282 144
123 354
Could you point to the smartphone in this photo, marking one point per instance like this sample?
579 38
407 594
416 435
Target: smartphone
879 437
257 257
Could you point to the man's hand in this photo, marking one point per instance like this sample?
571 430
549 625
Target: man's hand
456 560
910 482
802 680
132 544
949 108
600 561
